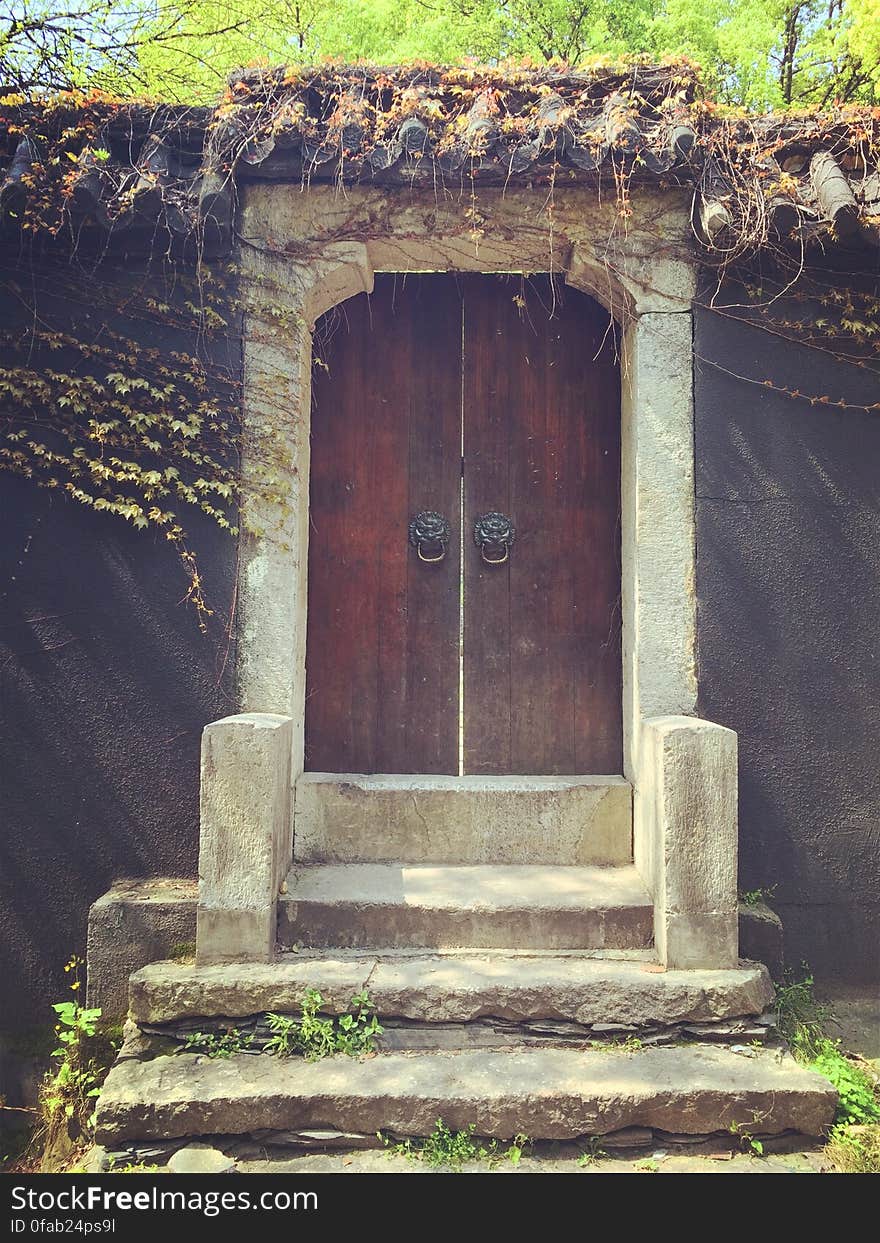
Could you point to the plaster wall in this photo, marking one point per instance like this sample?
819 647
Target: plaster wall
788 579
106 681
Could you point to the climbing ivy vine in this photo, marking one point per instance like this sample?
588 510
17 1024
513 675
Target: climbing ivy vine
143 431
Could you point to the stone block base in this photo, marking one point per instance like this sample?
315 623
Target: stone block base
135 923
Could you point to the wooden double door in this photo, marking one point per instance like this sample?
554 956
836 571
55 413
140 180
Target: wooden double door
440 640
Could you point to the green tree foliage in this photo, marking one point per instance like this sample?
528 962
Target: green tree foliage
760 53
864 34
53 45
774 53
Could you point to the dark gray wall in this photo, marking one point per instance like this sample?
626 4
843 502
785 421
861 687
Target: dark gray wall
105 685
105 679
788 579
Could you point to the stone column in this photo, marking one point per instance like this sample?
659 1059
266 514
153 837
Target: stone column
689 794
658 546
245 840
274 516
658 525
284 298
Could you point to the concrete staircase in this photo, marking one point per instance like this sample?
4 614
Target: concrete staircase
504 939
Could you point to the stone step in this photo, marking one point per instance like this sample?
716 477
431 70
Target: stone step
350 818
454 988
368 905
542 1093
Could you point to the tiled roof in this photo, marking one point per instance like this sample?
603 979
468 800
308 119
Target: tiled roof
174 170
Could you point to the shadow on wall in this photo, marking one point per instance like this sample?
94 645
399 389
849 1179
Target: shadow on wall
106 684
788 548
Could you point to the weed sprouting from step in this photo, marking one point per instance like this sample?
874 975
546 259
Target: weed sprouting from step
226 1044
593 1154
314 1036
616 1044
309 1035
130 1167
854 1143
76 1079
183 952
357 1030
857 1102
754 897
802 1020
452 1149
83 1054
854 1149
744 1133
517 1148
630 1044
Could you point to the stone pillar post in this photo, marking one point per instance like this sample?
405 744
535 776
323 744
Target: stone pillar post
657 524
274 520
689 795
245 843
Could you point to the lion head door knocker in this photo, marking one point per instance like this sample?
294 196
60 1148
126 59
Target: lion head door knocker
429 536
494 535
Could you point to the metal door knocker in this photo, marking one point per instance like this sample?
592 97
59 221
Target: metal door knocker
493 535
429 536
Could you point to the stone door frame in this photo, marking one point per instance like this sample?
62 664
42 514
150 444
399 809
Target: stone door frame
305 251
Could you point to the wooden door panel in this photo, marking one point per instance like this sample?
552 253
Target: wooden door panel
542 661
383 628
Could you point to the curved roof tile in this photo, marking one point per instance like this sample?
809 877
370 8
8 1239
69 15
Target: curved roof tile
136 169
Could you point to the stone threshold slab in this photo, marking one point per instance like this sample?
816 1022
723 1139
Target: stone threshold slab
350 817
455 989
543 1093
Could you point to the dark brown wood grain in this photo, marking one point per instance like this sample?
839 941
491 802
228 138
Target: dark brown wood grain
533 386
382 646
542 661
